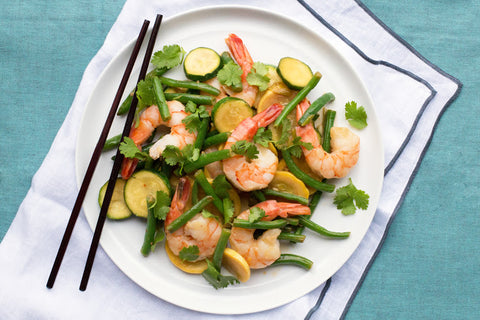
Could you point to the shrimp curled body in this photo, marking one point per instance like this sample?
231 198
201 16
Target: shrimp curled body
345 148
198 231
256 173
263 251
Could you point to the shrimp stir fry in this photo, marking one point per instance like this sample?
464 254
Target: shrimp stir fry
262 252
198 231
345 148
230 198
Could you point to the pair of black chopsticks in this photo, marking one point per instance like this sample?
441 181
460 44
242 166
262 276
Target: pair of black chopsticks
96 156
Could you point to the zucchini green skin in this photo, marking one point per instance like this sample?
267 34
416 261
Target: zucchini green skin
115 212
191 61
292 80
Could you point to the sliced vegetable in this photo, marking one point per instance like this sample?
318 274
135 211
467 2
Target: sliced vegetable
202 64
220 248
118 208
295 73
142 185
150 229
315 107
196 267
189 214
285 181
160 98
236 264
278 93
229 112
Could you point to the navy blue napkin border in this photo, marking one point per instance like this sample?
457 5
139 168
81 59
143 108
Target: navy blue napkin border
433 92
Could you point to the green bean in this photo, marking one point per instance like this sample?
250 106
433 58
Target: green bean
293 259
321 230
329 119
259 195
293 237
160 98
189 214
226 58
315 107
220 248
292 221
185 97
195 192
201 133
125 105
112 143
190 85
149 237
322 186
299 97
285 195
207 187
211 133
206 158
216 139
264 225
314 200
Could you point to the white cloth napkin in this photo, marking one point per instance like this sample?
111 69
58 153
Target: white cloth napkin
410 94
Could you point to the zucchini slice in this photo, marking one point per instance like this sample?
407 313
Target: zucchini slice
294 73
117 209
143 184
202 64
229 112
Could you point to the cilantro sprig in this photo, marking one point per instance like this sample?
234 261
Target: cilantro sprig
194 119
173 156
245 148
216 279
258 76
189 253
356 116
130 150
169 57
349 198
230 74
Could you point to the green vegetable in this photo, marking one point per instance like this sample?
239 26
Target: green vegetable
258 76
125 104
206 158
228 211
160 98
229 112
294 73
231 73
315 107
189 214
215 278
255 214
299 97
245 148
112 143
201 133
193 121
130 150
207 187
314 200
263 225
321 230
216 139
329 120
189 253
173 156
117 209
151 228
292 237
193 85
349 198
263 137
286 195
293 259
169 57
321 186
357 117
202 64
221 186
185 97
220 248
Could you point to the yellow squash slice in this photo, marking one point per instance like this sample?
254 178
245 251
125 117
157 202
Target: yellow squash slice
236 264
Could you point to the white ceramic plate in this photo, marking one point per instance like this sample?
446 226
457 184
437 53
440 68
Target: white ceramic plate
268 37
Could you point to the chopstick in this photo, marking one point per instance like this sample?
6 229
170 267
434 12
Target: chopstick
95 157
118 160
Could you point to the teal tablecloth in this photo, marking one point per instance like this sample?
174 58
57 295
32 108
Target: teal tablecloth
429 265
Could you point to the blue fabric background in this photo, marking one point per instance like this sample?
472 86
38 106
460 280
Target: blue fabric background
429 267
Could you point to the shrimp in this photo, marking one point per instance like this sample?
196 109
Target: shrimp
263 251
198 231
245 61
256 173
344 143
179 136
149 120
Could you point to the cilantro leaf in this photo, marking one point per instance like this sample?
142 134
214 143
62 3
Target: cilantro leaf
170 56
245 148
207 214
161 207
221 186
228 211
189 253
230 74
357 117
145 93
296 148
256 214
173 156
130 150
286 133
263 137
258 76
349 198
192 121
215 278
